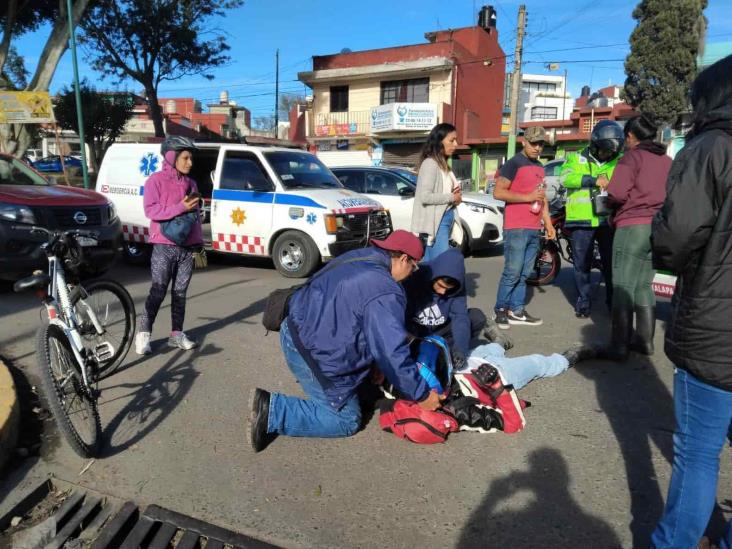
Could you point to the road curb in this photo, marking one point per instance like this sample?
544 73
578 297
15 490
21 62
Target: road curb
9 414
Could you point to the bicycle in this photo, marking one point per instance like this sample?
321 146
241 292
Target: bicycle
89 332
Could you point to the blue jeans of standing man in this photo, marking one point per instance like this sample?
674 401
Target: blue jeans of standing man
703 423
520 247
522 370
583 252
441 242
316 416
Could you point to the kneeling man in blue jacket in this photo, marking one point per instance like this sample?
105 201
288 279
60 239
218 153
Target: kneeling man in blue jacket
338 326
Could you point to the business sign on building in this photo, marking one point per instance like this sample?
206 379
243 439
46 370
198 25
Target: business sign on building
403 116
25 107
332 130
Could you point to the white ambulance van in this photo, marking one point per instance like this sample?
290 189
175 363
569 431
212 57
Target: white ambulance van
262 201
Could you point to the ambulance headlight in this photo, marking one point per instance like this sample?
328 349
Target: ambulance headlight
333 223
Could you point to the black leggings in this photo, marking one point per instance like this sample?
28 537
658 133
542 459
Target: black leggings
168 263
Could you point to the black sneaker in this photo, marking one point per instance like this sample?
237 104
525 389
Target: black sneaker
523 318
501 319
258 420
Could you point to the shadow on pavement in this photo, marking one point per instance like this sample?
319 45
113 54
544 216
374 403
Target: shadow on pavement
639 408
152 400
552 518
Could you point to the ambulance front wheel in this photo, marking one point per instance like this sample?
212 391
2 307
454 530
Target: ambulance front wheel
295 254
136 253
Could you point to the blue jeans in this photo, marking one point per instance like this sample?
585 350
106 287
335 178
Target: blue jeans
583 248
441 242
703 423
316 416
520 247
522 370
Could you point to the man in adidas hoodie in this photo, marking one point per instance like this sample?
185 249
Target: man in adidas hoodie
437 304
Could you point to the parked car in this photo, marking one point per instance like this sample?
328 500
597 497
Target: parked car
32 155
481 215
28 198
53 163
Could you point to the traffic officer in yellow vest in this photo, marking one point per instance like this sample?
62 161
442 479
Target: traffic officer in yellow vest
585 175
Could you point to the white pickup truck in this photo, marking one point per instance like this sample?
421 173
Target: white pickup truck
263 201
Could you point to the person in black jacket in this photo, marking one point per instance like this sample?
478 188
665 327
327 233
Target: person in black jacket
437 305
692 237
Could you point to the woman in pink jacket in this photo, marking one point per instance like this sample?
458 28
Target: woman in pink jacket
637 191
168 194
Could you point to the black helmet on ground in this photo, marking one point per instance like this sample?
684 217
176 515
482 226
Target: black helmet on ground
606 140
177 143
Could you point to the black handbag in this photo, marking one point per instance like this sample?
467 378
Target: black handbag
600 204
276 307
179 228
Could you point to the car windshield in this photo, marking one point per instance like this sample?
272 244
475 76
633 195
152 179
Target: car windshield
15 172
301 170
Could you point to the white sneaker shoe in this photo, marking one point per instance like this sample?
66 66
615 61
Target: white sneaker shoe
181 341
142 343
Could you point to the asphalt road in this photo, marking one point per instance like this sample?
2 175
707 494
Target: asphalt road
591 468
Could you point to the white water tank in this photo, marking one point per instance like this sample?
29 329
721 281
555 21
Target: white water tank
224 97
170 106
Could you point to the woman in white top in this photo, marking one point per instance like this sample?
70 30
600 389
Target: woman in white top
438 192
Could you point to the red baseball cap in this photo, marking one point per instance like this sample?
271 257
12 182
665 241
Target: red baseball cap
401 241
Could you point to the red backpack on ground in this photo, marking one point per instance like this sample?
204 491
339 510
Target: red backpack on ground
407 420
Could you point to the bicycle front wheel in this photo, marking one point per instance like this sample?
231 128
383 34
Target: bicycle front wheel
114 310
73 408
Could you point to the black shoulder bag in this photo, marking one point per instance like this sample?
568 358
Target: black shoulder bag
276 306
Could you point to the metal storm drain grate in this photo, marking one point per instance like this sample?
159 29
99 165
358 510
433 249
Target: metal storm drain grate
56 518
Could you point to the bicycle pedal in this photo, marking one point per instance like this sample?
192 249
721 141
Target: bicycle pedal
103 351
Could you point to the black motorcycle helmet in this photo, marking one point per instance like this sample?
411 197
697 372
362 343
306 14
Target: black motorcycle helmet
606 140
177 143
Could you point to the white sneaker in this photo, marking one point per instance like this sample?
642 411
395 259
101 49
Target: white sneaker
142 343
181 341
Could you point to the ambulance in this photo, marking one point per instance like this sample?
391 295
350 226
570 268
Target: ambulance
258 201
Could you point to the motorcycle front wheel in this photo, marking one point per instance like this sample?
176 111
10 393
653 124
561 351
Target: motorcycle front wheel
546 268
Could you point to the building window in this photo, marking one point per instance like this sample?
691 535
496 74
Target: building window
539 87
543 113
338 98
588 124
416 90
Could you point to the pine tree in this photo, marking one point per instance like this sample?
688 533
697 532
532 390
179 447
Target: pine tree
662 61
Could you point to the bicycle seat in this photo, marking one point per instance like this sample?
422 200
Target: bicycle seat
39 280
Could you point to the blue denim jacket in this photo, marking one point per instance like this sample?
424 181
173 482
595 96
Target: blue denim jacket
349 318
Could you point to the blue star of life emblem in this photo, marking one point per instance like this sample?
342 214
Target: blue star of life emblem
148 164
311 218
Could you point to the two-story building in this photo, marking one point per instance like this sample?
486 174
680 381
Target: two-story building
378 106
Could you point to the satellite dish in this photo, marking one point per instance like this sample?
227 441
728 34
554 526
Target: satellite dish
553 66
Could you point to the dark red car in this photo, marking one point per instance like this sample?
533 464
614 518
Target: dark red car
28 198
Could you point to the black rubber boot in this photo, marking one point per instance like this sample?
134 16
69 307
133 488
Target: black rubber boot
645 328
622 330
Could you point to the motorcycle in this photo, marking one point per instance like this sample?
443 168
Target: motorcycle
551 252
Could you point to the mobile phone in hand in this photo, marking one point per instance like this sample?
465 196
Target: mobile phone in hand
194 195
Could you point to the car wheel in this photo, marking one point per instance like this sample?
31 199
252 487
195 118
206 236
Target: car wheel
136 253
465 245
295 254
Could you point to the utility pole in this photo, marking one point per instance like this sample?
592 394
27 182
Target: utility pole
277 93
77 90
516 80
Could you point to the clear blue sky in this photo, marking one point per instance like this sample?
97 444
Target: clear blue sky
593 32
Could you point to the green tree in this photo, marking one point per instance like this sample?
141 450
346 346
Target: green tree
152 42
18 17
105 117
662 61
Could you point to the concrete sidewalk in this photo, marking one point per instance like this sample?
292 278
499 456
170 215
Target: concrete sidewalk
9 414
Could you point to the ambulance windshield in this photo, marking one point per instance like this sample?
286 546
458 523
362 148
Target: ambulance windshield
301 170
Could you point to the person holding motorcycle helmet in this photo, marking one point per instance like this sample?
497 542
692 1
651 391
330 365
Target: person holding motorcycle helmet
168 194
585 175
